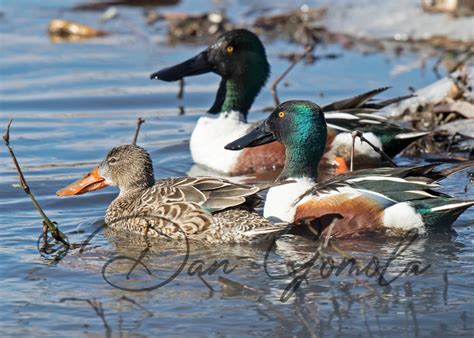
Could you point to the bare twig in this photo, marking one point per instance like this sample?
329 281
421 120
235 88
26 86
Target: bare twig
354 135
328 236
374 147
297 59
467 55
47 223
140 121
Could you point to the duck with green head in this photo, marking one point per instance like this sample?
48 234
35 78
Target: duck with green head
385 200
239 58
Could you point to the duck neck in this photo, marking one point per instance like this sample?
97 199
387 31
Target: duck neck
303 154
138 186
236 95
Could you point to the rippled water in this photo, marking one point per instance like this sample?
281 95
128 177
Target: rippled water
72 102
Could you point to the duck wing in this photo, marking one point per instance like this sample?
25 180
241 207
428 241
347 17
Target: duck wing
398 184
364 101
211 193
353 102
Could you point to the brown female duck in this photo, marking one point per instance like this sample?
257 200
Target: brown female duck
200 208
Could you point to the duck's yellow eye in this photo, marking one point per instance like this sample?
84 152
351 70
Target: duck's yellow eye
281 114
229 49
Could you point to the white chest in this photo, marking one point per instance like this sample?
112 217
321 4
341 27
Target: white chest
211 134
279 204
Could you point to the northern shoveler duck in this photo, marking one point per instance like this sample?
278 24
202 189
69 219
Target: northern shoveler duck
239 58
387 200
207 209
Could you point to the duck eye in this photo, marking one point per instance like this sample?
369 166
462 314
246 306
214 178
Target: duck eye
229 49
112 160
281 114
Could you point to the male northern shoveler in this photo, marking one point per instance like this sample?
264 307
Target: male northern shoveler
239 58
205 208
387 200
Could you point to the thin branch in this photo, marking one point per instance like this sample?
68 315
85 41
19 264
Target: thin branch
297 59
47 223
328 236
354 135
140 121
379 151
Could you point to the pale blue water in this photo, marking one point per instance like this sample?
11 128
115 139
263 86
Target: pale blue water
73 102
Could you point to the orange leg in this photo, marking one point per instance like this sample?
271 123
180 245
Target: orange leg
340 165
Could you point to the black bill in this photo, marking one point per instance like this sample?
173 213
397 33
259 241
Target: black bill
196 65
256 137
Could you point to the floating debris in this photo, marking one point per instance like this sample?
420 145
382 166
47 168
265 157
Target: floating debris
289 22
184 27
310 58
463 108
438 41
62 30
454 7
109 14
304 26
445 106
152 16
101 5
456 136
454 87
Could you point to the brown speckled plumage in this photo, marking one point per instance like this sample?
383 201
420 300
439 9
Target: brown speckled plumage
201 208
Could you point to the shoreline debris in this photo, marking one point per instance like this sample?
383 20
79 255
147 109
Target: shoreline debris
62 30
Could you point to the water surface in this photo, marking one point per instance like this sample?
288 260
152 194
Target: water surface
72 102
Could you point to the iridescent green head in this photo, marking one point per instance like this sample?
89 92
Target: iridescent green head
301 127
239 57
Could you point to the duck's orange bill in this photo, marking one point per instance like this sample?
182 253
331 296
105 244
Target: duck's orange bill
92 181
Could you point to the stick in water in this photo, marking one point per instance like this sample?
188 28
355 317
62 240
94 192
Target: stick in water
307 50
47 223
140 121
354 135
379 151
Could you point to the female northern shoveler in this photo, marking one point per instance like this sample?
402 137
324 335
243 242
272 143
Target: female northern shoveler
205 208
388 200
239 58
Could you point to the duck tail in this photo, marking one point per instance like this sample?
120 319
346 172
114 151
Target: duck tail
401 140
353 102
441 213
384 103
455 206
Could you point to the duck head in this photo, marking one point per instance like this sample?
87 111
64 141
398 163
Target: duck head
301 127
129 167
239 57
